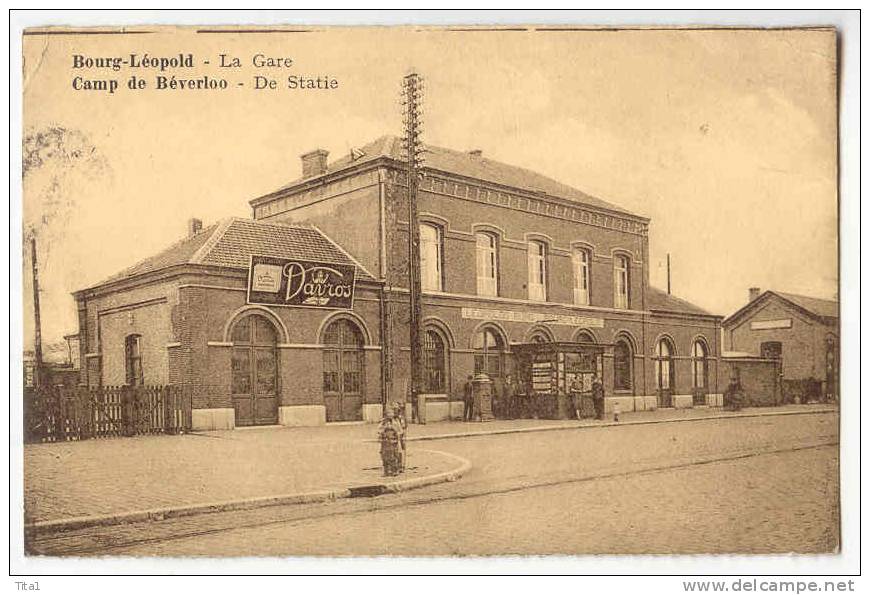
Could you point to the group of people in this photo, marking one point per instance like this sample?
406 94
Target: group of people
510 402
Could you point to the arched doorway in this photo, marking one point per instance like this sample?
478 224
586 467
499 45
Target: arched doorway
255 371
343 371
623 366
665 372
434 362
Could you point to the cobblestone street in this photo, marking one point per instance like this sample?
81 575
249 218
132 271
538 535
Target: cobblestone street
761 484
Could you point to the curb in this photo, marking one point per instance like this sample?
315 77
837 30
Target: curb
318 496
587 426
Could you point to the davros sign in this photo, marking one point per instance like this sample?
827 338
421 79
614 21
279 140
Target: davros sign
292 282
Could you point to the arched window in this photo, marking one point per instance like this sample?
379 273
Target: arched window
623 360
581 260
487 263
343 370
255 371
539 337
699 365
430 257
621 281
585 337
434 362
537 271
133 358
664 371
488 353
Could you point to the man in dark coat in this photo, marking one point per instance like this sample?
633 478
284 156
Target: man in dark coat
468 397
598 396
508 398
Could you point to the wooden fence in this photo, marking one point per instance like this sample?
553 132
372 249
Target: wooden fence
54 414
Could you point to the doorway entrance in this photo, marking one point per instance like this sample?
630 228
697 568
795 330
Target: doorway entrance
255 371
343 371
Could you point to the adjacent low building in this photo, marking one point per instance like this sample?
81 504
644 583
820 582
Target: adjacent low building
800 332
300 316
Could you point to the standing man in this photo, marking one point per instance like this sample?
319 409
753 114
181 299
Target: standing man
576 392
598 396
468 397
508 397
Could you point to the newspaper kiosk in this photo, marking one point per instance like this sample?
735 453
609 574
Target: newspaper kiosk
548 371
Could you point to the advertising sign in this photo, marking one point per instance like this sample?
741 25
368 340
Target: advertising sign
300 283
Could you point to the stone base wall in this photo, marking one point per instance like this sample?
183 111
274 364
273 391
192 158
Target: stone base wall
372 413
682 401
302 415
213 419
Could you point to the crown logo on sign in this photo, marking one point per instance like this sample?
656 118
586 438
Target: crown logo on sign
320 277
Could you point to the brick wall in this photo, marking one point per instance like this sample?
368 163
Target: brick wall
759 379
107 320
803 345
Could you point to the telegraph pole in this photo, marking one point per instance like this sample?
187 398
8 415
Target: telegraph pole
37 338
412 95
669 273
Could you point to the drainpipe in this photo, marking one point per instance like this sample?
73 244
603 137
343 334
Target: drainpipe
643 320
383 308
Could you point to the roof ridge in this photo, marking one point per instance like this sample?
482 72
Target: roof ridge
217 234
284 225
787 294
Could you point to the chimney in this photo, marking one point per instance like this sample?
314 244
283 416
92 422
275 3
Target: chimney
476 153
754 292
314 163
194 226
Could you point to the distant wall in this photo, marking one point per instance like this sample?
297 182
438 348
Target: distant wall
758 377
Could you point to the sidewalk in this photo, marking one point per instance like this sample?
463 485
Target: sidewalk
108 477
445 430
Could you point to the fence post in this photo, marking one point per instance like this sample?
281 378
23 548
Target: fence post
86 411
127 427
168 409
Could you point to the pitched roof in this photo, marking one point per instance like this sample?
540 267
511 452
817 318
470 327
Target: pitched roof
658 300
231 242
472 166
817 307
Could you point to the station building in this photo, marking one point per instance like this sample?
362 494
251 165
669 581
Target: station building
521 275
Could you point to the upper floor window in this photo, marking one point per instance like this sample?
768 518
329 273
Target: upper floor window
133 357
487 264
581 276
620 281
430 257
537 271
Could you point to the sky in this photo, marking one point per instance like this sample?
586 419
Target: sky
727 140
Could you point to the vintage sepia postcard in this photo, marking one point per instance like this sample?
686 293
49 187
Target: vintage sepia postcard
429 291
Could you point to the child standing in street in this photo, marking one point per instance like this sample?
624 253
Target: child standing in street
616 411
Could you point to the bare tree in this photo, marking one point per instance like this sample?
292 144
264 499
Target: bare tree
55 161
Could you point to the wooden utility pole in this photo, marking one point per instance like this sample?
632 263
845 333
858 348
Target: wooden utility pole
412 91
669 273
37 338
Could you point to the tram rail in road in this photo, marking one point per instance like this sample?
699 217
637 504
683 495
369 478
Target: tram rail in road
106 540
